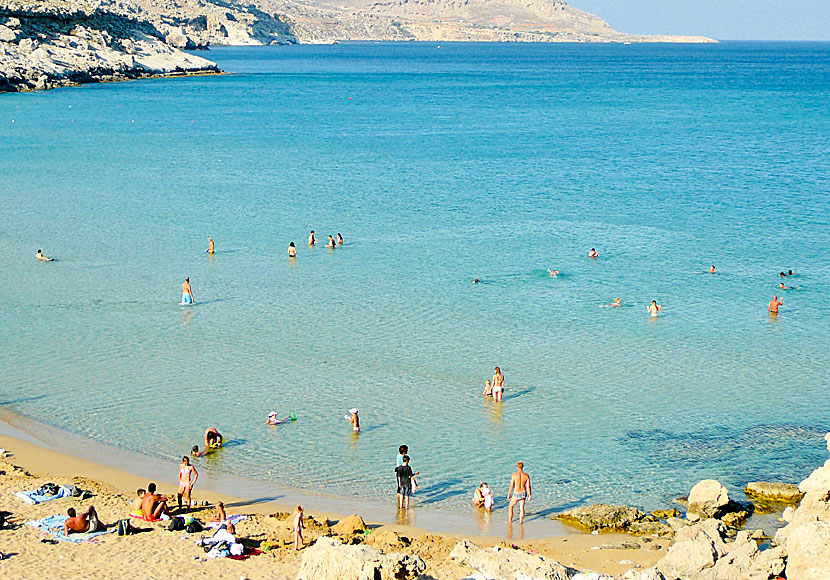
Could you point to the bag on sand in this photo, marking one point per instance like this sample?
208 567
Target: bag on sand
74 490
194 527
124 528
48 489
176 524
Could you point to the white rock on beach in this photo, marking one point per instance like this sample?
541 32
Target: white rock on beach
507 563
328 559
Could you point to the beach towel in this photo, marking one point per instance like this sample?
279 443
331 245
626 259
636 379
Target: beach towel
34 498
230 520
253 552
53 525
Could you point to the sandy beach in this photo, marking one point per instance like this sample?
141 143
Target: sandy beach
158 553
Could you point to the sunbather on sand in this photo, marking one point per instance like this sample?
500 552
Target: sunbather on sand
82 523
153 506
220 516
136 506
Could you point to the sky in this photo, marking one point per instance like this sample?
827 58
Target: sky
720 19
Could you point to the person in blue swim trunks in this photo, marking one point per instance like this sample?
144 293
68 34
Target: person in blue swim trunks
187 292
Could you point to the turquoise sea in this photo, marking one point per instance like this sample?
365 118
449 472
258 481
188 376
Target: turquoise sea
438 165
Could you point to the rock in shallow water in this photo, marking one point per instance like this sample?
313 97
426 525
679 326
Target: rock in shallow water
774 491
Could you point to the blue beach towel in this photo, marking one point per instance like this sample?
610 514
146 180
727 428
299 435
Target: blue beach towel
34 498
53 525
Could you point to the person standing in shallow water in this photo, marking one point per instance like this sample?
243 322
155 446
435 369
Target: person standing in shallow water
339 240
187 292
519 491
774 304
331 243
498 385
210 245
311 239
292 250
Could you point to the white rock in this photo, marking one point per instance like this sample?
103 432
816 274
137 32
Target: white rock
707 497
808 548
507 563
7 34
328 559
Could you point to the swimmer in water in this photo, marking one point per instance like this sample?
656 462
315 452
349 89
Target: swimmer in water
654 308
712 269
781 285
593 253
292 250
475 280
339 239
311 239
782 274
553 273
774 304
617 303
187 292
273 420
790 273
354 420
213 439
331 243
210 245
43 258
488 389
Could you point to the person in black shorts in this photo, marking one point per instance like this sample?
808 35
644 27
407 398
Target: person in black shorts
406 483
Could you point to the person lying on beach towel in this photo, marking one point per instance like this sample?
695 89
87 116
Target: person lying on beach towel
83 523
54 526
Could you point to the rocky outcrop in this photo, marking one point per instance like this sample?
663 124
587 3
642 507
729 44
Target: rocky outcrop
710 499
507 564
773 491
328 559
619 518
806 537
353 524
702 552
57 46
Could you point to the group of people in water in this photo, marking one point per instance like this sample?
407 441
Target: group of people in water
495 388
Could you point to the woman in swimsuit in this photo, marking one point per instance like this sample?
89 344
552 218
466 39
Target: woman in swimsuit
292 250
654 308
498 385
185 485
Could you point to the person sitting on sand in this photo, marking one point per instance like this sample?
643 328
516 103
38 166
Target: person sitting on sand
488 389
331 243
339 240
298 528
225 533
712 269
483 497
136 505
185 485
154 506
292 250
593 253
86 522
220 516
43 258
210 245
617 303
774 304
654 308
311 239
553 273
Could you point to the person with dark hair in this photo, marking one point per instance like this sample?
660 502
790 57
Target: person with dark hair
187 292
86 522
593 253
331 243
339 239
402 450
292 250
185 485
311 239
406 483
43 258
154 506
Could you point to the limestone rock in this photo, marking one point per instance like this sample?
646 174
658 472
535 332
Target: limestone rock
666 514
507 563
603 516
774 491
647 574
351 525
328 559
736 518
618 546
808 548
708 498
7 34
814 506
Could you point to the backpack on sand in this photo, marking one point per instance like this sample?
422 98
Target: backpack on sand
124 528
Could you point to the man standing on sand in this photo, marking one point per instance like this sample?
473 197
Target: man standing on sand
187 292
519 491
774 304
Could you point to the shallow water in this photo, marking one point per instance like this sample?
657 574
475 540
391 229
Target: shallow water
438 166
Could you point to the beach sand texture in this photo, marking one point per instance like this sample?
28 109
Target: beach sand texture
158 553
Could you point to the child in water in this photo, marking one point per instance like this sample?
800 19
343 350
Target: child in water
488 389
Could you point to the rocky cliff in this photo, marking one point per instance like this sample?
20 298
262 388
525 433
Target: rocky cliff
45 45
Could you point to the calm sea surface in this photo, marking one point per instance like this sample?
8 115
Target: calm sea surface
437 165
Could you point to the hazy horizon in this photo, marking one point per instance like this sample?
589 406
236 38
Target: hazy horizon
719 19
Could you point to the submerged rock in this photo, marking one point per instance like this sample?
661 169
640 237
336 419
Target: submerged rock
774 491
602 516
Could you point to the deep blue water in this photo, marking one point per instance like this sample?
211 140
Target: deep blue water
437 165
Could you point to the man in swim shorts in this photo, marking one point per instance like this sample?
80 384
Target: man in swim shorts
519 491
187 292
153 506
86 522
774 304
213 438
185 485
